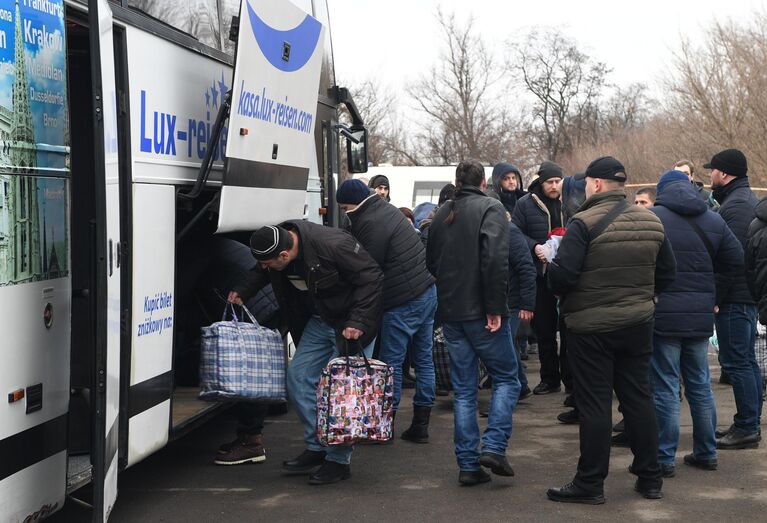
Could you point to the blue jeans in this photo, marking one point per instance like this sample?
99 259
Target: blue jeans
466 341
413 322
690 357
513 326
736 330
316 348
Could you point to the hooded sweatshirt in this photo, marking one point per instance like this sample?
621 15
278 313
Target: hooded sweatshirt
494 190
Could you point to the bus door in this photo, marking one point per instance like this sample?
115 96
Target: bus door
270 142
106 395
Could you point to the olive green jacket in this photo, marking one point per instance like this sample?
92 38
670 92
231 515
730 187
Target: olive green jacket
609 282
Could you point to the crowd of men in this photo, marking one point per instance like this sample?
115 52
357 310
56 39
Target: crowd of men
622 299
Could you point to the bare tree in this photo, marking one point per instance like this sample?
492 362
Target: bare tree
460 98
566 85
720 92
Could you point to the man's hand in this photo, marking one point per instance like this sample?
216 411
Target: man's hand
526 316
350 333
539 252
234 298
493 322
716 309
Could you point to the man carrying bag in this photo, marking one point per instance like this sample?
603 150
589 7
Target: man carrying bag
328 288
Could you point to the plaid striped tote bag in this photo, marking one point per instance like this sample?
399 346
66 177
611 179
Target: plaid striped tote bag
241 361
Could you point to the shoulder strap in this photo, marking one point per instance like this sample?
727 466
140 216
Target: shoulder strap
607 219
701 235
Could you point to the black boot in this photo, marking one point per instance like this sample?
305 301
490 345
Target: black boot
307 461
418 432
330 472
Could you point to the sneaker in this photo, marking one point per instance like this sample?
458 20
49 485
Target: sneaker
330 472
248 450
497 463
469 478
570 417
703 464
545 388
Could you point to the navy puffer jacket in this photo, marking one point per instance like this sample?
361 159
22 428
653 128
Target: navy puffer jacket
686 307
737 208
521 272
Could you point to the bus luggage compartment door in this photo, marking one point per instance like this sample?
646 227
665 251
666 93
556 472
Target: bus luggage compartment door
107 379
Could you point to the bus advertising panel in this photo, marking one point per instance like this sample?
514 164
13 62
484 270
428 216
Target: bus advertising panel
34 142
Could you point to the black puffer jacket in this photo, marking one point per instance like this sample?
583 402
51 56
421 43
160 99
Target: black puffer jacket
395 245
532 217
737 208
344 281
468 253
756 259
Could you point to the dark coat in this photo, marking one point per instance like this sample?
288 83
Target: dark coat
756 259
395 245
468 253
737 208
534 220
521 272
344 282
685 309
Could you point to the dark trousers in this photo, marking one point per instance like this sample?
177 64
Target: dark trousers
617 360
546 322
250 417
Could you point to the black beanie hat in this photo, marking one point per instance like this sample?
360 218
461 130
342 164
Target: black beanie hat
378 179
729 161
549 170
268 242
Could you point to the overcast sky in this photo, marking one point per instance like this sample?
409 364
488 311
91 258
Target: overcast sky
394 40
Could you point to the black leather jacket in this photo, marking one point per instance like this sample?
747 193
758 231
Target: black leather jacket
344 281
469 256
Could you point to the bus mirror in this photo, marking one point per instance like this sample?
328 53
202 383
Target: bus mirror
357 150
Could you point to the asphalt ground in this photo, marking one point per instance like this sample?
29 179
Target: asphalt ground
410 482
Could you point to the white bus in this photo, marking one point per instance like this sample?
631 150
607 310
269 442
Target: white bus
108 110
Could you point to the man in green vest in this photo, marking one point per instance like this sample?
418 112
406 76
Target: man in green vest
611 263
